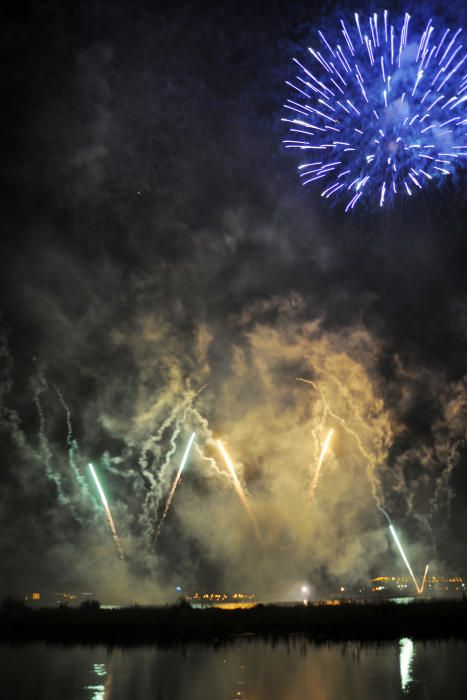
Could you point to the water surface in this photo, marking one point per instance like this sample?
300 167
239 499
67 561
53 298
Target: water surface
290 669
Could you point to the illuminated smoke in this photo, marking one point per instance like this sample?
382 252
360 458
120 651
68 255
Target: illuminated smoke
371 458
107 510
239 489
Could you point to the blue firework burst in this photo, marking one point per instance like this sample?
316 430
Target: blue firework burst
377 113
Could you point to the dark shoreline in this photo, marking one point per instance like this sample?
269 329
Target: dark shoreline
372 622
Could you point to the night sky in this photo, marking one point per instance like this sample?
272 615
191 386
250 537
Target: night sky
163 272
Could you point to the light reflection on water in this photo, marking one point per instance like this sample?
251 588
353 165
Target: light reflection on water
100 691
245 668
407 651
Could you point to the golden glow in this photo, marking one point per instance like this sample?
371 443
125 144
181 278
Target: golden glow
324 450
239 488
36 596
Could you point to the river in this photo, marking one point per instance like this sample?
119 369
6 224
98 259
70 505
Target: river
246 667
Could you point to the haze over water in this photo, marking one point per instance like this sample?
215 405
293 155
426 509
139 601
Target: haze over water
289 669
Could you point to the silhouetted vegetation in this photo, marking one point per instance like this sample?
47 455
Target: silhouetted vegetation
90 605
348 621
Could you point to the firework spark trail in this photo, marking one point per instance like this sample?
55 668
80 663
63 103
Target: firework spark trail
45 447
399 546
403 555
322 455
174 485
154 440
239 489
72 444
370 458
376 117
109 514
212 463
207 438
157 480
153 498
422 587
318 426
341 421
173 442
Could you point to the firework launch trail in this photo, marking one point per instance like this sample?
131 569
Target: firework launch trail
175 483
107 510
403 555
422 587
324 450
239 489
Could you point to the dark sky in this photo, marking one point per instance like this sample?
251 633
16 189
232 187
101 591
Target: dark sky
162 271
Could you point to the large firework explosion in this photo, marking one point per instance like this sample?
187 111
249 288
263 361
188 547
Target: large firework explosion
377 113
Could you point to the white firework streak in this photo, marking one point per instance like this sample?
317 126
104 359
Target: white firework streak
110 520
322 455
371 459
422 587
174 485
403 555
